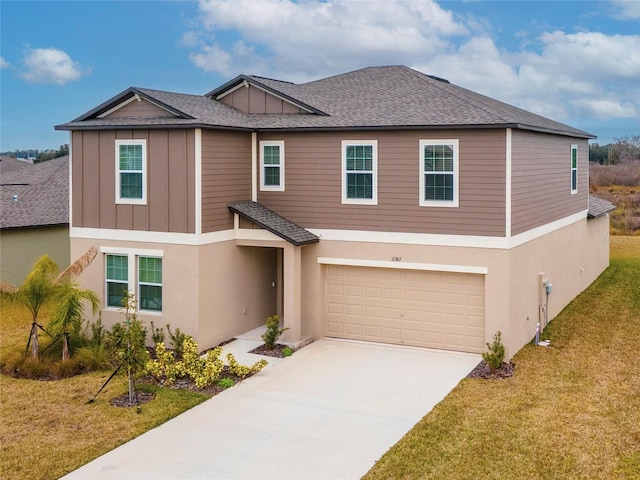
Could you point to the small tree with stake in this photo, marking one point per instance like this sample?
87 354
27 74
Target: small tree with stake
128 343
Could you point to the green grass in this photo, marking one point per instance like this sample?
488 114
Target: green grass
571 411
48 429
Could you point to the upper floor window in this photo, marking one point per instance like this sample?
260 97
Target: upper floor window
131 162
574 169
439 173
272 166
360 172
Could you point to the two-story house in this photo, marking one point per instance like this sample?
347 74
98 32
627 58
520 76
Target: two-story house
381 205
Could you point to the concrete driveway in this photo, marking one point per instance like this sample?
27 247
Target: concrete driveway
328 412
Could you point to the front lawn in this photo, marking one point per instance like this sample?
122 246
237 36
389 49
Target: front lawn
571 411
48 429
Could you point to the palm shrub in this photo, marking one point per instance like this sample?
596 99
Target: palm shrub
67 316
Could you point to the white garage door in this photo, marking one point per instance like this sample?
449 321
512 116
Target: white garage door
407 307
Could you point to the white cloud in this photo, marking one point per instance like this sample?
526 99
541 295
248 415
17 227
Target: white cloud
558 74
626 9
3 63
50 65
304 40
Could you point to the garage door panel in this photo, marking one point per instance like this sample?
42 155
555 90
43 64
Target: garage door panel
432 309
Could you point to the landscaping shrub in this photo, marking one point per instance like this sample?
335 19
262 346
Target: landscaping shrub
495 356
273 332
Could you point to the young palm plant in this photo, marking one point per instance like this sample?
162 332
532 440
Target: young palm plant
43 286
68 312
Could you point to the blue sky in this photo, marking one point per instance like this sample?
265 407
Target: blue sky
577 62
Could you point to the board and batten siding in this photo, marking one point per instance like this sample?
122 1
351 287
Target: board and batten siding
170 181
139 109
253 100
226 176
313 181
541 179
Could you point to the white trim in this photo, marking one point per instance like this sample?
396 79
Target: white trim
355 262
280 145
456 173
131 201
120 105
425 239
198 180
231 90
508 187
573 190
374 181
70 199
108 234
144 252
254 166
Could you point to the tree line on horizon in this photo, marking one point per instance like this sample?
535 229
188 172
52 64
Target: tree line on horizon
623 150
38 155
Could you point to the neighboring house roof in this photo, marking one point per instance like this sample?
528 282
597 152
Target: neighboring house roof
34 195
274 223
370 98
599 207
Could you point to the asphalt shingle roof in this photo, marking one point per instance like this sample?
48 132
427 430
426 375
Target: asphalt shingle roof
274 223
34 195
599 207
370 98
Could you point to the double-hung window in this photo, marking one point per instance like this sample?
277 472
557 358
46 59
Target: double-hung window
574 169
117 279
272 165
439 173
360 172
135 271
131 175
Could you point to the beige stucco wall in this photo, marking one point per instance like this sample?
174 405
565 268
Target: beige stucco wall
211 292
571 258
216 291
20 248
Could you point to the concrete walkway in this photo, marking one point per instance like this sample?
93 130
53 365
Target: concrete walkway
328 412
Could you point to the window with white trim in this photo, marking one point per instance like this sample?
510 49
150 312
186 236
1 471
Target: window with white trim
128 270
272 165
574 169
360 172
439 173
131 175
150 283
117 280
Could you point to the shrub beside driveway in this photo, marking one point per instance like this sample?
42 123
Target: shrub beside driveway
571 410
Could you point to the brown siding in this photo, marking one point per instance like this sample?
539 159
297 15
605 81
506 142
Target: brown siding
254 100
140 109
313 184
541 179
226 176
170 181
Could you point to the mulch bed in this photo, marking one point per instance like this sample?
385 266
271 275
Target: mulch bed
275 352
123 400
506 370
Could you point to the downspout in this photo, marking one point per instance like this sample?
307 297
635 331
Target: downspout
254 166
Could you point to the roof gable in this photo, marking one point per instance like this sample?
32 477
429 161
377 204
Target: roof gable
252 94
392 97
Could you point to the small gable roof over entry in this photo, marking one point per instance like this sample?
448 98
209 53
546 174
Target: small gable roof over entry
274 223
